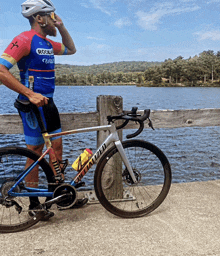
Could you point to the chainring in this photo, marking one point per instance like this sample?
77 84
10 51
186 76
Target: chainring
62 190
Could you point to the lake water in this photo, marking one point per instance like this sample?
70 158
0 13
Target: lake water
194 153
83 98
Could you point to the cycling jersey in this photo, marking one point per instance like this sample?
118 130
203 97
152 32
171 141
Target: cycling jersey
34 55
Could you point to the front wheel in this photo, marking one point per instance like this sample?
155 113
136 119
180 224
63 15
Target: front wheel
115 188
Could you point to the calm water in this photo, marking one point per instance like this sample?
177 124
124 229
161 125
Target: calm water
83 98
193 152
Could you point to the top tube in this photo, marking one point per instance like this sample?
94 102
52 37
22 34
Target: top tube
110 128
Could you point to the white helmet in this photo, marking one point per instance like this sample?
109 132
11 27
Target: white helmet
31 7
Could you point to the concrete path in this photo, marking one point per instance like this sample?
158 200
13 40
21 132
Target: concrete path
187 223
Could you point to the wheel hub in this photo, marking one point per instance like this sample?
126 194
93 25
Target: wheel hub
127 177
6 187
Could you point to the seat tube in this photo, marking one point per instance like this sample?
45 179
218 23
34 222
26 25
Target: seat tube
120 148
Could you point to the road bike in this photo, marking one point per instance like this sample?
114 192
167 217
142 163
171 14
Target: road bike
132 178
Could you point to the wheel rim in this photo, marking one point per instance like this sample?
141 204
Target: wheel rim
151 169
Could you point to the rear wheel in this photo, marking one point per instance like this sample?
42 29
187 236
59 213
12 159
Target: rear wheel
14 211
115 188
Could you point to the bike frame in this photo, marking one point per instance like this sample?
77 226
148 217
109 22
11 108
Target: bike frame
112 138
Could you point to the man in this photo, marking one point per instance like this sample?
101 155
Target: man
34 55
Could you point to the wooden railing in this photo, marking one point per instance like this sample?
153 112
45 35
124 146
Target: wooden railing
111 105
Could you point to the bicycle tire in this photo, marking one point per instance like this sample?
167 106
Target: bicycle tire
12 163
113 185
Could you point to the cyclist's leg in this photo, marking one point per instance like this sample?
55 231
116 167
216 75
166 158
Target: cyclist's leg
32 179
52 120
57 145
34 142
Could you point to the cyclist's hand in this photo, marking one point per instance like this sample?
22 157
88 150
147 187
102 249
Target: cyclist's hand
38 99
58 21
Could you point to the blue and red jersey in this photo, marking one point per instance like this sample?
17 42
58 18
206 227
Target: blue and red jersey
34 55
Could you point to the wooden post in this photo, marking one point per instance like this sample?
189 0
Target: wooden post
112 175
107 105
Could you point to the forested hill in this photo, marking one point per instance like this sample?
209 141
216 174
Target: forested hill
75 74
114 67
200 70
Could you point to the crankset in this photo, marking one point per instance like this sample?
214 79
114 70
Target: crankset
67 201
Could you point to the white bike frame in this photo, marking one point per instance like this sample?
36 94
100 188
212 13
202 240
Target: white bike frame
112 138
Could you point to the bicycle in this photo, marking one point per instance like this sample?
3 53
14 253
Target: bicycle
132 178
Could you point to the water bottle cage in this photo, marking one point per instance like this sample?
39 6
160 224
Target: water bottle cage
63 164
80 165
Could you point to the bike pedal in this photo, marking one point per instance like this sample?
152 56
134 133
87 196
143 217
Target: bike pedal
80 184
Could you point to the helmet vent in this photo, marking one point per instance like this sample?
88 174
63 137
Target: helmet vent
47 2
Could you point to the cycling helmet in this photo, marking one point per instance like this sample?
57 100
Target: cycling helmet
31 7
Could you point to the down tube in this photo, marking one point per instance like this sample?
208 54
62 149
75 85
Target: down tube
113 137
120 148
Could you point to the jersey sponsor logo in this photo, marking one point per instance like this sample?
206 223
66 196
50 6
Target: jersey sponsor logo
48 61
31 120
42 51
14 45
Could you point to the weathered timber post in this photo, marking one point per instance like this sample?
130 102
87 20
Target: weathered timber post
107 105
112 178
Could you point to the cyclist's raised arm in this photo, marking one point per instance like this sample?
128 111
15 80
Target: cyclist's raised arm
66 37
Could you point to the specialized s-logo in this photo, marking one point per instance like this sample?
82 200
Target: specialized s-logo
41 51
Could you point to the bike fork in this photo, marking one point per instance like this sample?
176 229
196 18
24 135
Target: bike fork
120 148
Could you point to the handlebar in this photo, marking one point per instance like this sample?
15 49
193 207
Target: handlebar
132 116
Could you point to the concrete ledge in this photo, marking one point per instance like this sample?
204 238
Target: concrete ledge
187 223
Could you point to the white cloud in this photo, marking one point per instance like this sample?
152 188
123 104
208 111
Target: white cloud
150 20
122 22
102 5
213 1
98 4
213 35
95 38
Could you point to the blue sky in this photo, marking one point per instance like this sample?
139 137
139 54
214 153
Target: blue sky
106 31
